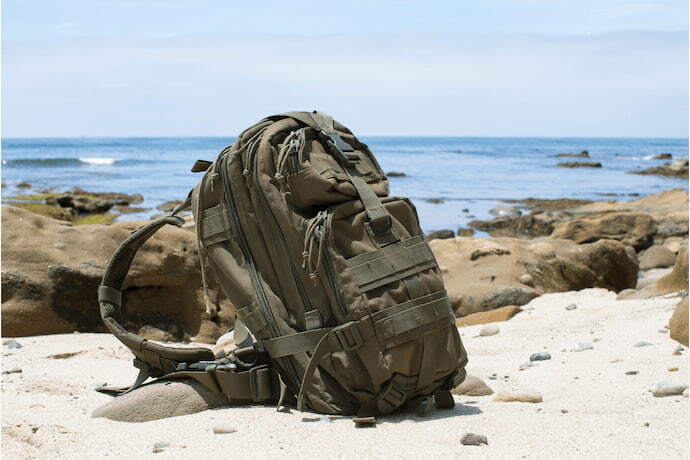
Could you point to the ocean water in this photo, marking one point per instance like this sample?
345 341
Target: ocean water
470 174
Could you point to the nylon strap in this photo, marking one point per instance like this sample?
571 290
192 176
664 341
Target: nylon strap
292 344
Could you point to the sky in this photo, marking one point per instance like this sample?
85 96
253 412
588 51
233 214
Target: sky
557 68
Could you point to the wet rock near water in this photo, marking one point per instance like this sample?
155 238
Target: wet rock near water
631 228
678 168
396 174
439 235
582 154
580 164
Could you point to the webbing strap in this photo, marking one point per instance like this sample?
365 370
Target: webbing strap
391 263
292 344
257 384
214 225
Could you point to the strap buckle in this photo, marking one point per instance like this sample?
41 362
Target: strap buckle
392 397
260 386
343 151
346 337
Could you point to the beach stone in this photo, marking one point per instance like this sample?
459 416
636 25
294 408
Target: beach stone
673 369
161 400
396 174
11 344
570 307
160 447
580 164
491 316
489 330
685 393
631 373
50 290
583 154
525 365
674 243
678 324
14 370
526 279
663 389
471 439
439 234
540 356
634 229
582 346
472 386
643 344
662 156
223 430
531 225
677 280
657 257
526 396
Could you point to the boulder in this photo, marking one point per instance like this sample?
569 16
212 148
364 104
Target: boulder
529 226
635 229
678 325
657 257
674 243
439 234
677 280
483 274
662 156
678 168
51 270
159 400
491 316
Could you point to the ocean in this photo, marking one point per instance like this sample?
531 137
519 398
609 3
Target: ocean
470 175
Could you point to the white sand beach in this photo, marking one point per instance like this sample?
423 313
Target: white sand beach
591 408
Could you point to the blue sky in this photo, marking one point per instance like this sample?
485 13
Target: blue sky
459 68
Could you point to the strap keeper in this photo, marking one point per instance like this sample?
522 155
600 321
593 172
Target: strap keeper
260 385
346 337
392 397
109 295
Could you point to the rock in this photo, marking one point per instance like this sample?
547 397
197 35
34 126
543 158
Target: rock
631 228
434 200
489 330
160 447
161 400
673 369
480 275
525 365
14 370
626 294
571 307
677 168
471 439
580 164
583 154
678 325
24 185
685 393
527 396
439 234
540 356
631 373
505 211
11 343
223 430
396 174
51 290
662 156
526 279
465 231
472 386
82 205
657 257
677 280
643 344
582 346
675 243
663 389
529 226
491 316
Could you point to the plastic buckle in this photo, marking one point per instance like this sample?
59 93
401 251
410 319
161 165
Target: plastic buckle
341 149
392 398
347 336
257 375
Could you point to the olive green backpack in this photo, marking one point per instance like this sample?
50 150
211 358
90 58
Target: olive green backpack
340 303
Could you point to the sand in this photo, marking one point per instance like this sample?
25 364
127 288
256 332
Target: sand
46 409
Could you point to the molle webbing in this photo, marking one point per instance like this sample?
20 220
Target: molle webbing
215 225
394 262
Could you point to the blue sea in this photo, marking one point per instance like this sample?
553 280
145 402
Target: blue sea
470 174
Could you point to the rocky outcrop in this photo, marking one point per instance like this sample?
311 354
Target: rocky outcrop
491 316
678 325
528 226
580 164
678 168
677 280
51 270
583 154
632 228
482 274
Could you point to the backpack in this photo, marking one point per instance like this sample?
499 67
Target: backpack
340 303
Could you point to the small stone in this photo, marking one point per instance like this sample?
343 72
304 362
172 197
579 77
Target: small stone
676 353
564 411
643 344
570 307
672 369
526 279
631 373
311 417
14 370
472 386
663 389
645 424
680 348
540 356
488 330
527 396
663 331
582 346
160 447
596 339
685 393
223 430
11 343
526 365
364 422
471 439
493 377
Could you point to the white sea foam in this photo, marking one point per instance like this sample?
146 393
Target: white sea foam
98 161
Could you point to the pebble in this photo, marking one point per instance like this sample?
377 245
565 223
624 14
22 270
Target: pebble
663 331
160 447
11 343
643 344
540 356
471 439
663 389
672 369
223 430
631 373
570 307
596 339
15 370
526 365
582 346
526 396
564 411
489 329
493 377
685 393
